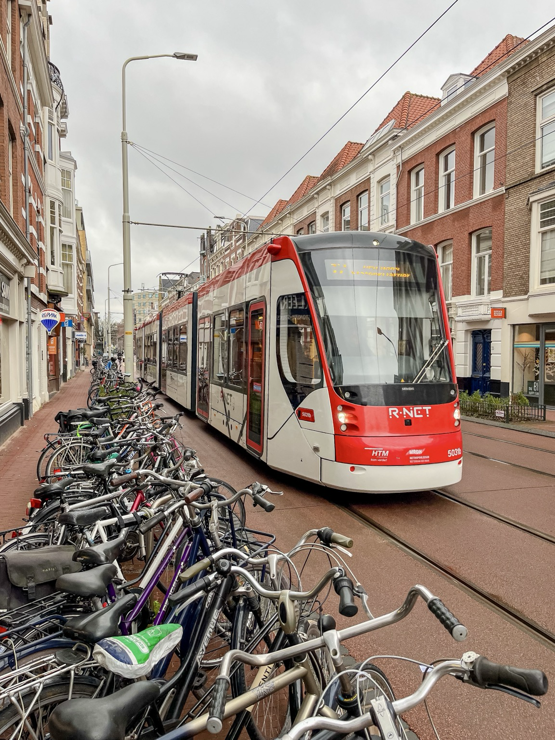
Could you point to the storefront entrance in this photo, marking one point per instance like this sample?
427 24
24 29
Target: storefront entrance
481 361
534 363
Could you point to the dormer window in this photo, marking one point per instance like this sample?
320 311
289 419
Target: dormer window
454 85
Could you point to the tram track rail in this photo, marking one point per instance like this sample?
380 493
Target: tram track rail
508 442
492 602
507 462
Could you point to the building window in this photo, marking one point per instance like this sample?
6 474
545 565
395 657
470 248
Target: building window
484 148
447 179
445 256
547 236
9 32
300 231
346 216
52 232
385 188
363 224
50 140
417 195
325 222
546 125
312 227
10 172
482 262
66 191
67 267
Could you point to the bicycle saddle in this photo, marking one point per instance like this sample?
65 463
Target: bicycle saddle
99 420
102 470
87 413
101 719
84 517
49 490
89 583
105 552
91 628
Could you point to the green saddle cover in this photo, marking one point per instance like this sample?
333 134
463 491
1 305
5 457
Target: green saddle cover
134 656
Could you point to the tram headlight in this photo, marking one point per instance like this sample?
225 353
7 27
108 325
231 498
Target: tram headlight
343 427
457 413
457 422
342 418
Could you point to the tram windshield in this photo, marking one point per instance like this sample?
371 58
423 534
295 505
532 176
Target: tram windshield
380 316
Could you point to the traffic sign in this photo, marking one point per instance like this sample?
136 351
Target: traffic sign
49 318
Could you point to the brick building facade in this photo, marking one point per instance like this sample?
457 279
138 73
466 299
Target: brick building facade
529 276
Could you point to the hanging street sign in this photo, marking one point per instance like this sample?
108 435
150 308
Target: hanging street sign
49 318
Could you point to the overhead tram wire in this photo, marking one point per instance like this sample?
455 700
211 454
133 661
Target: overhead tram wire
372 86
216 182
492 64
151 157
468 173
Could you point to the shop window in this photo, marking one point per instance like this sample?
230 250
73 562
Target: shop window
236 347
526 361
297 351
219 353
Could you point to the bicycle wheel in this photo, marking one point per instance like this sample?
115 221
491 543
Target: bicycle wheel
36 725
69 455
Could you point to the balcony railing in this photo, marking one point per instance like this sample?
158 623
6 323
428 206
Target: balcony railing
55 76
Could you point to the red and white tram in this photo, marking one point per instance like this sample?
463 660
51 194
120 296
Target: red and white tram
327 356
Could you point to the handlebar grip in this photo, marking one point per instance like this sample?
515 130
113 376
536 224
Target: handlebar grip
195 569
344 587
191 590
529 680
457 630
340 539
152 522
260 501
190 497
217 705
124 479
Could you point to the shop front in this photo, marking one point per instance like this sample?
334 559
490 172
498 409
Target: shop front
534 362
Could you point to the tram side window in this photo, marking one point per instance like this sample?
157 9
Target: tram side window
219 352
236 347
182 348
297 351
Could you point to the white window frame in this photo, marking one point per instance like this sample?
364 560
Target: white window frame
417 195
67 193
363 222
381 196
325 222
67 262
9 10
478 157
446 176
540 123
443 265
535 243
344 214
311 228
475 258
10 174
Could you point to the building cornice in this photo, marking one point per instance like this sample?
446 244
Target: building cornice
547 44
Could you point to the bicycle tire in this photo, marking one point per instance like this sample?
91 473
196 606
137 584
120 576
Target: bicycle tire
51 697
69 456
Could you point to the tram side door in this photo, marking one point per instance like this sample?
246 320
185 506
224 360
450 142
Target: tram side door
481 360
203 367
255 376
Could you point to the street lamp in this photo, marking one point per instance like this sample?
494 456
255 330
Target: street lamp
109 318
127 290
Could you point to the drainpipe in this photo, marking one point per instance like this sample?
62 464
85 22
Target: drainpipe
27 227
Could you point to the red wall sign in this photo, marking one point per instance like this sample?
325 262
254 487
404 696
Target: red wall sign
497 313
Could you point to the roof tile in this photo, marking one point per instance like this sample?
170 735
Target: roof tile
409 110
503 49
274 213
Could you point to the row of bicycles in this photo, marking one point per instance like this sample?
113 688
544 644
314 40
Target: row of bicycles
136 602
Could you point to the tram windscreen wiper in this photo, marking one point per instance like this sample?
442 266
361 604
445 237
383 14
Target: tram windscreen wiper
383 334
431 359
334 356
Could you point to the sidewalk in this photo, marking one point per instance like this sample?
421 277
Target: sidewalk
19 454
543 428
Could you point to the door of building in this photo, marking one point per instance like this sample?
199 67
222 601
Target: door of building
481 360
548 331
255 380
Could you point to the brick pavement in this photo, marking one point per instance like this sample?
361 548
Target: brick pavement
19 454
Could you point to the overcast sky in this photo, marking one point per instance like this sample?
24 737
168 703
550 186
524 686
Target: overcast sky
271 77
